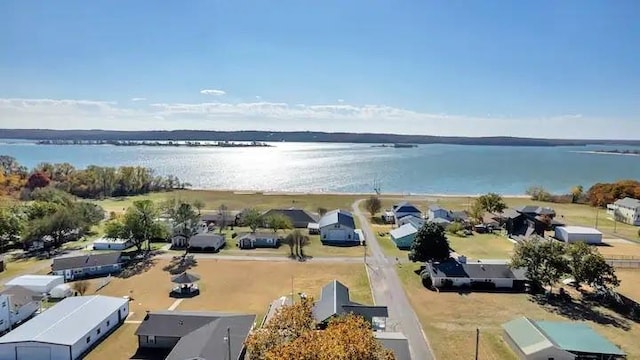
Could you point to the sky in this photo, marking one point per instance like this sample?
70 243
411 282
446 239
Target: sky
560 69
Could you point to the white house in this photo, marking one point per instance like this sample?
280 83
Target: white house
207 242
625 210
41 284
571 234
338 228
452 273
66 331
17 304
112 244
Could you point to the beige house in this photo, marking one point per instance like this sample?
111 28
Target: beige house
625 210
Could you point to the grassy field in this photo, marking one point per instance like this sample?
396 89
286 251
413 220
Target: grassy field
482 246
452 318
619 249
629 281
19 267
233 286
235 200
386 244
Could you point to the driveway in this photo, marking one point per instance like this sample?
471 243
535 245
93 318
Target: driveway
387 290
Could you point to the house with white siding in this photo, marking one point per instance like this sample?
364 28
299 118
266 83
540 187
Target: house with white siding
17 304
338 228
477 275
625 210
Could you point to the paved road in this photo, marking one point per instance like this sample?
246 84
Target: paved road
387 290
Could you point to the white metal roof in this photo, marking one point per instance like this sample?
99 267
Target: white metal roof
110 241
33 280
66 322
402 231
581 230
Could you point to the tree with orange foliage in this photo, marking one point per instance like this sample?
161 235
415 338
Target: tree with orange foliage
602 194
291 334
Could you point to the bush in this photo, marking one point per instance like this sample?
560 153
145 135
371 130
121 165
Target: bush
234 235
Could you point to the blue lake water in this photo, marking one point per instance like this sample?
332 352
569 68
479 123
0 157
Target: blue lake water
330 167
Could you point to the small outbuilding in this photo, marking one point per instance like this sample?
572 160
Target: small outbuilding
404 236
559 340
67 330
313 228
112 244
61 291
207 242
571 234
41 284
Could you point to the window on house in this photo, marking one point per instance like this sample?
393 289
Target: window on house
98 332
108 323
88 339
93 268
349 236
1 322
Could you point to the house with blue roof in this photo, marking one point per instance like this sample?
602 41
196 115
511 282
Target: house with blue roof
337 228
405 208
558 340
438 212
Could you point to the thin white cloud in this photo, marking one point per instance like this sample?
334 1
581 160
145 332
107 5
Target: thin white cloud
258 97
271 116
340 100
136 99
214 92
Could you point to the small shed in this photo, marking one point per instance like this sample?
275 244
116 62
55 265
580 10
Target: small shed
41 284
571 234
388 217
206 242
61 291
313 228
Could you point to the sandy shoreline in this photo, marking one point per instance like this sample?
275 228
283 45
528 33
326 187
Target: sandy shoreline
605 153
332 193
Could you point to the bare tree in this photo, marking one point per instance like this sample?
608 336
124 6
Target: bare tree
80 286
223 212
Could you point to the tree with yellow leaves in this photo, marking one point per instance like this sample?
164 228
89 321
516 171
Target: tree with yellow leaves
291 334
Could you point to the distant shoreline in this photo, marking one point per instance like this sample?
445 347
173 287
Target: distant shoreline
225 144
604 152
295 136
364 194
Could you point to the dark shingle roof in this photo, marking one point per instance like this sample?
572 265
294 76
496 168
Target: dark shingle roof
405 206
459 215
20 295
527 209
453 269
202 334
545 211
298 217
334 300
82 261
338 217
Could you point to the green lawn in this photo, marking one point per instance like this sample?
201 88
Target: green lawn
236 200
19 267
482 246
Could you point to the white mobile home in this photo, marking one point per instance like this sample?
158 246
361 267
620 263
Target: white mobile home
112 244
571 234
66 331
41 284
626 210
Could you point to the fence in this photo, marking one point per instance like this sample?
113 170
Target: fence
104 282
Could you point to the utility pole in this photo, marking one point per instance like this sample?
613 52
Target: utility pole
477 341
597 217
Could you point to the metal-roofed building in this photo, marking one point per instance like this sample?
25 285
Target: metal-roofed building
405 208
532 340
94 264
337 228
181 335
66 331
452 273
335 301
396 342
41 284
403 236
299 218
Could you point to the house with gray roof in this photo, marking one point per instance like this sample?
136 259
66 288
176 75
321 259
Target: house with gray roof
437 212
476 275
335 301
181 335
17 304
396 342
625 210
559 340
338 227
410 219
67 330
88 265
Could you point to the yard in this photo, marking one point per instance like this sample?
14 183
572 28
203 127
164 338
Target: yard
629 281
452 318
237 200
19 267
231 286
482 246
386 244
619 249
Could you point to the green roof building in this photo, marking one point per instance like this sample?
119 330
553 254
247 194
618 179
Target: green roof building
555 340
